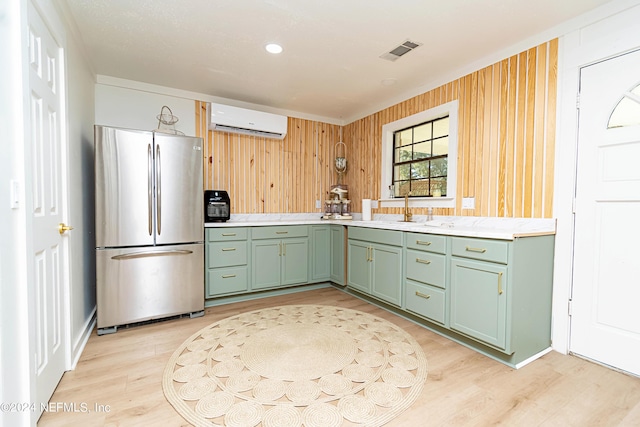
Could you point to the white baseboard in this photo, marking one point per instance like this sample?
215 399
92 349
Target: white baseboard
81 342
534 357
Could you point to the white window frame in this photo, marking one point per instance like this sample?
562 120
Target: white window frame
449 201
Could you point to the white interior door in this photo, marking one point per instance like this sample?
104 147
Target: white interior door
47 168
605 323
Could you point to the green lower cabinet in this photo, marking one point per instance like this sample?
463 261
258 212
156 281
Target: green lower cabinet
226 260
295 254
226 281
278 263
359 270
337 254
386 273
426 301
320 253
479 296
376 269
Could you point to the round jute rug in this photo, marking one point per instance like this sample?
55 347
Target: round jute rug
302 365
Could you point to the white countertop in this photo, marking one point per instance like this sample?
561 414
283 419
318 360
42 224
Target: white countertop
465 226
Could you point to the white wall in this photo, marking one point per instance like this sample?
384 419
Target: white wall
80 120
606 36
137 107
15 358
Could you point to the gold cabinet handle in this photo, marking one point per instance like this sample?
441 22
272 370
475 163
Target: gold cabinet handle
228 276
284 249
422 242
282 232
421 295
423 261
479 250
228 234
500 283
228 249
280 249
62 227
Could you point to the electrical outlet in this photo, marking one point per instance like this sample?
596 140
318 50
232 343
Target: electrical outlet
374 204
318 205
468 203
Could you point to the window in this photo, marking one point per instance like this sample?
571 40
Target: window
627 112
419 153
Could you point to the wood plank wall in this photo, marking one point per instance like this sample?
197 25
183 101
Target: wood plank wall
265 175
507 114
506 139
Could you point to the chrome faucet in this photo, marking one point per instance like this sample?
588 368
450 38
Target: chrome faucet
408 216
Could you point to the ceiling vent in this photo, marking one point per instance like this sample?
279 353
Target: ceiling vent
395 53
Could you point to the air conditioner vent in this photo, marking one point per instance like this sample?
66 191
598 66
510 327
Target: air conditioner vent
225 118
398 51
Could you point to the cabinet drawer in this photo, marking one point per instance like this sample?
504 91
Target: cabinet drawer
425 301
426 267
427 242
386 237
222 281
225 254
484 249
226 233
279 232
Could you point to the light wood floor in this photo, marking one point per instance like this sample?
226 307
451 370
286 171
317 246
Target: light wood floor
463 388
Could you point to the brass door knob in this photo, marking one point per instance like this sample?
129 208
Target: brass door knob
62 227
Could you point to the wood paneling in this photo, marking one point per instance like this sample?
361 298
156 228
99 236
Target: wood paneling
506 137
266 175
506 140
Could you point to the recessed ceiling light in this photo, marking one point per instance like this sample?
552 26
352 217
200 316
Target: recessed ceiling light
389 81
273 48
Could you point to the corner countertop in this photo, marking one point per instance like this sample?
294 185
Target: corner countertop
463 226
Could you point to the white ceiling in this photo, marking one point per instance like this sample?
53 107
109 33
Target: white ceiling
331 65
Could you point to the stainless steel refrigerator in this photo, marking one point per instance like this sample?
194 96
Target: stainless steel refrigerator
149 226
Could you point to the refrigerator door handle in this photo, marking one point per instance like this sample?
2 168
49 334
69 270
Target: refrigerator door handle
158 191
151 253
149 188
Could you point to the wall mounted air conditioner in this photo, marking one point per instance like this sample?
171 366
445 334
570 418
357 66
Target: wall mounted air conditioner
225 118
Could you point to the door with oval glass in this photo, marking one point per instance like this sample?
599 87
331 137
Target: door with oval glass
605 322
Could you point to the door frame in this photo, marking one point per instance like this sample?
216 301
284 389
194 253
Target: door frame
17 384
599 41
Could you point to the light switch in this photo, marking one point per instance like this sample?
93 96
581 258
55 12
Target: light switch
318 205
468 203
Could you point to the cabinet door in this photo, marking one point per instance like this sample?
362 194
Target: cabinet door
337 254
266 256
320 253
359 270
386 273
479 300
295 261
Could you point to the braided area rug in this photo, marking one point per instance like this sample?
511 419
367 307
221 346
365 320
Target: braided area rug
302 365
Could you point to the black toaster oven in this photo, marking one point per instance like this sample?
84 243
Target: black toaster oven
217 206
